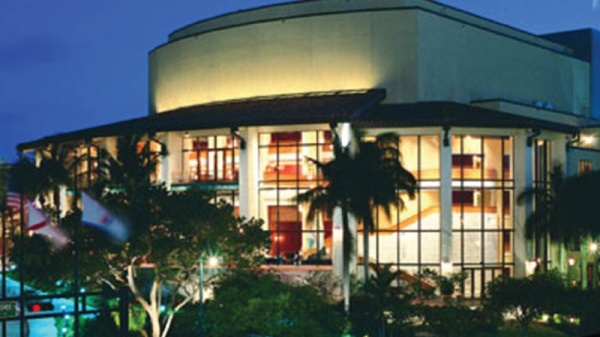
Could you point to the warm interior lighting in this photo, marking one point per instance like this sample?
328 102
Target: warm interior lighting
369 138
571 261
346 136
447 267
587 139
593 247
530 266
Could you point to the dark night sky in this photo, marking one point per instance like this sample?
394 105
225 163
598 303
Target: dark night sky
71 64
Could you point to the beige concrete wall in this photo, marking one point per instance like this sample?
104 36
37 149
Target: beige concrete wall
323 53
463 63
416 50
574 155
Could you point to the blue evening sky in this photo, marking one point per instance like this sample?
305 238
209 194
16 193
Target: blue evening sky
71 64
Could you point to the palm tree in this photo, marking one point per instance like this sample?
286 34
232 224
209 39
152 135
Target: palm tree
358 183
565 211
382 305
55 167
542 222
51 173
133 167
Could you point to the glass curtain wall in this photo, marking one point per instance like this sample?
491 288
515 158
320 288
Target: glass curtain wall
482 209
212 162
210 159
86 170
409 238
286 171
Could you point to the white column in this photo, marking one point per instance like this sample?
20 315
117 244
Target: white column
249 173
523 176
446 199
171 165
337 253
556 253
347 139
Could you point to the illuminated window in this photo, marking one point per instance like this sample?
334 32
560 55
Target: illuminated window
482 192
87 165
286 169
585 167
210 159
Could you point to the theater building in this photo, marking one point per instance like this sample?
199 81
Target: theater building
483 111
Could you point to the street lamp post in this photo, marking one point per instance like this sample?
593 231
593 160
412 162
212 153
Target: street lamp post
201 296
570 278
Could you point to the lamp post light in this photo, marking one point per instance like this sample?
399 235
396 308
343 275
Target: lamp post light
571 280
594 249
213 262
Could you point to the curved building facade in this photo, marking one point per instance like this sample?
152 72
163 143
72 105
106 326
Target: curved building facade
483 111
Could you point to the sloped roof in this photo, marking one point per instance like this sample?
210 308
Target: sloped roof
281 110
363 108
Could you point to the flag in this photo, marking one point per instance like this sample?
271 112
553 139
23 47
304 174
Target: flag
38 223
13 201
95 215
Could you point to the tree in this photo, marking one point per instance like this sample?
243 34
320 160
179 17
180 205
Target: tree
134 166
170 231
358 183
381 307
542 222
565 211
46 177
248 304
526 298
576 211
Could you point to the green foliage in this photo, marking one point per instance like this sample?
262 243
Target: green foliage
48 176
535 330
358 181
132 169
43 267
583 304
450 320
565 209
169 232
326 283
102 325
381 307
577 211
186 322
253 304
526 298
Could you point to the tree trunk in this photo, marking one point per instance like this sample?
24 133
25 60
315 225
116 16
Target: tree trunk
152 307
155 322
346 257
365 252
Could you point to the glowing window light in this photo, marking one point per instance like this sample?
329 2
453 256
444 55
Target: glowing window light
587 139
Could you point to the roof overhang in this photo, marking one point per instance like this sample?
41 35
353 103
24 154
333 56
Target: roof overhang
363 108
325 107
452 114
